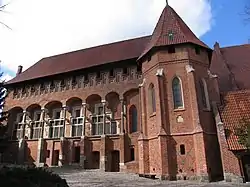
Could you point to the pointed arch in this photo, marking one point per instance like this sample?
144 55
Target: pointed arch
177 93
133 118
204 94
151 98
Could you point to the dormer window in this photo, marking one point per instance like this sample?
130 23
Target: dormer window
171 49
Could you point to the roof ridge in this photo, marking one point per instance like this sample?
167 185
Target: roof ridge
96 46
233 46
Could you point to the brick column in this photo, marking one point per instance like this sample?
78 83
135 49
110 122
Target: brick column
198 137
122 152
104 116
122 116
143 108
103 154
143 149
42 120
84 112
64 117
21 151
63 151
40 153
83 142
24 124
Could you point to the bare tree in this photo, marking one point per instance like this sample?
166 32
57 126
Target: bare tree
2 7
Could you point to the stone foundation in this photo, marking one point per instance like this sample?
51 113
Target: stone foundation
229 177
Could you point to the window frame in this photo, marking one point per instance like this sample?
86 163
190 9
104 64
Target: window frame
181 94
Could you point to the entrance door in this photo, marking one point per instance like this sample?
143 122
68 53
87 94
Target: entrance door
77 154
246 167
55 157
95 160
115 160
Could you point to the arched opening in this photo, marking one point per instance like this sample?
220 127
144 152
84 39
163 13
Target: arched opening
76 116
56 119
15 122
204 94
177 93
34 114
96 109
151 97
133 118
113 101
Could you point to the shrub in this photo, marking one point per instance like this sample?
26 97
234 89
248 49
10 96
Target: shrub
29 177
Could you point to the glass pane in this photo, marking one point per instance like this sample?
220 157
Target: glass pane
51 132
107 128
100 119
56 132
79 130
100 110
37 116
113 128
94 119
61 131
77 113
80 120
100 128
57 115
74 121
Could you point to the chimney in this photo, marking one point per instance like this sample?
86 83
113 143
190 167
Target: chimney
19 70
216 45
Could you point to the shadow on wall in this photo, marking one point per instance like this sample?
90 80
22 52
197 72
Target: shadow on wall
14 155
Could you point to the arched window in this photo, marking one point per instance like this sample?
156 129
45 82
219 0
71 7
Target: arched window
204 94
133 118
177 93
151 96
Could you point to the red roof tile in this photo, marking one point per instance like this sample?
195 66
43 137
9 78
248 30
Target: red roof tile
171 29
84 58
232 65
236 107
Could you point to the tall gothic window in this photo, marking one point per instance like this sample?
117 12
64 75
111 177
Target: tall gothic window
204 94
177 93
151 97
133 118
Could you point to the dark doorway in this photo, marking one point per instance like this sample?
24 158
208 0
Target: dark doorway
77 155
55 157
95 160
246 167
115 160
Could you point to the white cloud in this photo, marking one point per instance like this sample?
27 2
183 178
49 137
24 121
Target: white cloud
6 77
46 27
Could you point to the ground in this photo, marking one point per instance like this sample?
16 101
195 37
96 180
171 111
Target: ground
95 178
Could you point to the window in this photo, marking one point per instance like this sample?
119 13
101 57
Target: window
151 98
18 130
132 154
98 121
56 124
36 125
111 73
197 50
125 71
171 49
177 93
133 118
77 122
182 149
204 94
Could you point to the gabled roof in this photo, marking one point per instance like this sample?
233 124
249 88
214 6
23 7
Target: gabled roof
232 65
85 58
236 107
169 30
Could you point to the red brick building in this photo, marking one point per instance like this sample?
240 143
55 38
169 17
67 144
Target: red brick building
147 105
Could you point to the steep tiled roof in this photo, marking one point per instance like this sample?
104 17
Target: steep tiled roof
85 58
171 29
232 65
236 107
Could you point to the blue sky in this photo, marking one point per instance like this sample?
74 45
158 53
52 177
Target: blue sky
229 27
35 35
